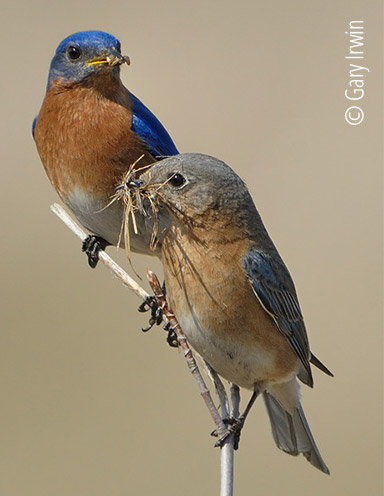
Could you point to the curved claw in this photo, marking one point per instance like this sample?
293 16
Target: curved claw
150 303
172 337
92 246
234 427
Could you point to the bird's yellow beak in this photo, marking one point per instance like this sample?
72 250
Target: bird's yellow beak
111 60
97 61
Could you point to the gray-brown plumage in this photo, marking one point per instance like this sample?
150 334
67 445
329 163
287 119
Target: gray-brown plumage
230 290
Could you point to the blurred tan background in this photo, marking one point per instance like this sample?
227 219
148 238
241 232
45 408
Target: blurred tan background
92 406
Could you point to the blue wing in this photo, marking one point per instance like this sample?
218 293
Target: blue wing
33 125
150 130
275 290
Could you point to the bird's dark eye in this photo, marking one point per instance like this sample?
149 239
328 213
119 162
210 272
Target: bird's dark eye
73 52
177 180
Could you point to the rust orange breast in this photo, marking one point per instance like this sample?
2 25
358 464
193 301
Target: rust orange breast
85 140
206 281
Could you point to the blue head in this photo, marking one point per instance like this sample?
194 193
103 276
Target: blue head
85 53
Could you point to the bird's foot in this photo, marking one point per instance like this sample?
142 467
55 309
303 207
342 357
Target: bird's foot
150 303
172 337
234 426
92 246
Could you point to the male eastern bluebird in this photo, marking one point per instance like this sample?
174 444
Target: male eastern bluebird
231 291
89 132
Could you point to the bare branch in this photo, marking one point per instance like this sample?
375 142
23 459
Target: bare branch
227 450
103 256
182 340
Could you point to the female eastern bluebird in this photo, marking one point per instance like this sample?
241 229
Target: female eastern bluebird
231 291
89 132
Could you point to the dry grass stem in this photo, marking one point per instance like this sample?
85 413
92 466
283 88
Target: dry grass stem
134 197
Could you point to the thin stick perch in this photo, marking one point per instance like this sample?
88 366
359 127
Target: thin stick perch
103 256
183 343
226 481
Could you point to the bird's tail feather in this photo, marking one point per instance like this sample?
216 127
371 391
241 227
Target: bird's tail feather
291 432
